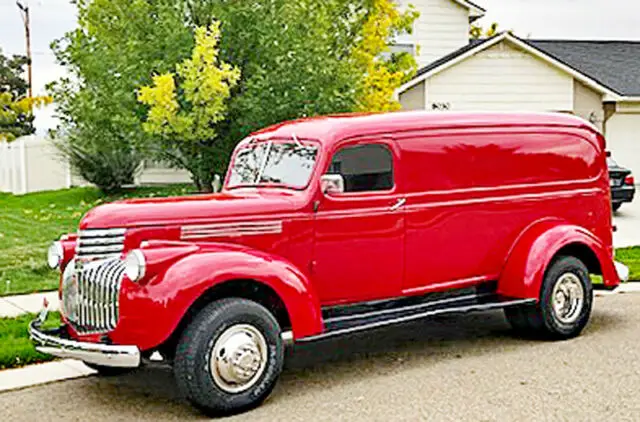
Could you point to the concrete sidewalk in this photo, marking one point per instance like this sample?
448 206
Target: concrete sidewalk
42 373
12 306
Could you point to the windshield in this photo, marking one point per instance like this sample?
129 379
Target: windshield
287 164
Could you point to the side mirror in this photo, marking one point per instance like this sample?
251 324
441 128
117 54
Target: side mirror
332 184
217 183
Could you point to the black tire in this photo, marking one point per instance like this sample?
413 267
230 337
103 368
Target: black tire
109 371
541 320
616 206
192 365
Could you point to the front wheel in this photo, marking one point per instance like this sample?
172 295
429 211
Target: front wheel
565 303
229 358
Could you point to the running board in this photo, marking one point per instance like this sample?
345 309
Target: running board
348 324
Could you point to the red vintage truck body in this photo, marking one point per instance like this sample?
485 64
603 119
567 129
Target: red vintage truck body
463 212
485 197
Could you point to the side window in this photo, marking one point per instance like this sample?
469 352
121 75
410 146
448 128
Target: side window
364 168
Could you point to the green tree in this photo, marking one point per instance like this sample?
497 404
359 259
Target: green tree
298 59
16 109
117 46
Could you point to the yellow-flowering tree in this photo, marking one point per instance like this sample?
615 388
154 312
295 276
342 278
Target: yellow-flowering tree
382 72
16 116
186 106
16 109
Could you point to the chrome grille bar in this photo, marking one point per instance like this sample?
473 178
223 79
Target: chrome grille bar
99 274
100 243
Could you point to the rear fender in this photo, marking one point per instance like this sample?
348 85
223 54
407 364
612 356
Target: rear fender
154 310
534 250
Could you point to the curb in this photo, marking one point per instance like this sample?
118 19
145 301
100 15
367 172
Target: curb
42 373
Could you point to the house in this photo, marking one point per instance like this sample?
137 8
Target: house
596 80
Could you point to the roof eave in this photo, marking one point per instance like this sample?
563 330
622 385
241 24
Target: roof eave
608 93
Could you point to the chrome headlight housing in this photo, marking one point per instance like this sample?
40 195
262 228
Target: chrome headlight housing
55 255
69 302
135 265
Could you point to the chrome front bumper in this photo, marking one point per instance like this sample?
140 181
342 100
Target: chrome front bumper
51 342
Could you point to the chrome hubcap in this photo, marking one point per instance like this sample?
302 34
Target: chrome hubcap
567 298
238 358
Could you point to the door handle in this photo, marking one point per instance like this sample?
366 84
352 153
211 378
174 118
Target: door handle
399 204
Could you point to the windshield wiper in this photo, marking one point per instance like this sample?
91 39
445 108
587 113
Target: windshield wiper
264 163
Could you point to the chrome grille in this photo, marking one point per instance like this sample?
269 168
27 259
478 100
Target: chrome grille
93 307
100 243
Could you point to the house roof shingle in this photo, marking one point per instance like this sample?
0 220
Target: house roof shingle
614 64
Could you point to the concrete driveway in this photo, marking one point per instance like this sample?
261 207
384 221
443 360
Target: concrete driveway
452 368
628 221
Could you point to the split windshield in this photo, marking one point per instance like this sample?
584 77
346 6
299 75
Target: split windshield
273 163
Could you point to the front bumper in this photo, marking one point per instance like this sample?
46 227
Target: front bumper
56 343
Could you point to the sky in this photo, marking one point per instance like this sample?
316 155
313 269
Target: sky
550 19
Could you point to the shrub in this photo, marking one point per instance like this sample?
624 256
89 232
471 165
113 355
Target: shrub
108 166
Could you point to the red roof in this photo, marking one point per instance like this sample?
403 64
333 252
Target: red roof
330 129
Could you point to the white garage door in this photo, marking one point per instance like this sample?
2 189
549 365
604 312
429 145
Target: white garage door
623 140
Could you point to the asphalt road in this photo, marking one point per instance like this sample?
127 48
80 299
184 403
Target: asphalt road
465 367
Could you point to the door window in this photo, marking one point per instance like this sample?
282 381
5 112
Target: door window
364 168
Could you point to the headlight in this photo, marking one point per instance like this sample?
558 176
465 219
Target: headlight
55 255
135 265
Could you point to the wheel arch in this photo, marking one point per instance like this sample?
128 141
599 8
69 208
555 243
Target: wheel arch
535 249
243 288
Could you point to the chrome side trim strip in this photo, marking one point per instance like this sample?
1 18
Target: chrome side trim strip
96 353
231 229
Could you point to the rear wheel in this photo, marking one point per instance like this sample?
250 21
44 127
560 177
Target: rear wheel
229 358
616 206
565 303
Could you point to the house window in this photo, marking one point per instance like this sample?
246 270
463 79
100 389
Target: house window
365 168
403 48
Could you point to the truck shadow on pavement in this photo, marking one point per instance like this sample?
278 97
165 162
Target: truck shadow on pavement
313 367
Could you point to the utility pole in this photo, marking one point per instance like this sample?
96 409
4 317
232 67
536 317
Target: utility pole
24 12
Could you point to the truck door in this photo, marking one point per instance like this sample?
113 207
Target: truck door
359 233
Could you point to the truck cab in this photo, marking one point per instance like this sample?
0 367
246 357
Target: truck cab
332 225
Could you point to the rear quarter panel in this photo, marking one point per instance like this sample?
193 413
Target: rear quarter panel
471 193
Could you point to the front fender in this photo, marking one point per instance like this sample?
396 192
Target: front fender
534 250
151 312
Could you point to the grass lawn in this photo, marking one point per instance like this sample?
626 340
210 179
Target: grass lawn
631 258
29 223
15 347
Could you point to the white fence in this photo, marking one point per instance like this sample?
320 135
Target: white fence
31 164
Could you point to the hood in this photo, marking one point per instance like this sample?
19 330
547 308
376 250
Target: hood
193 209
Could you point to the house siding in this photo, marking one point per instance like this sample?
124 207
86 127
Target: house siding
501 78
588 104
443 27
413 98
